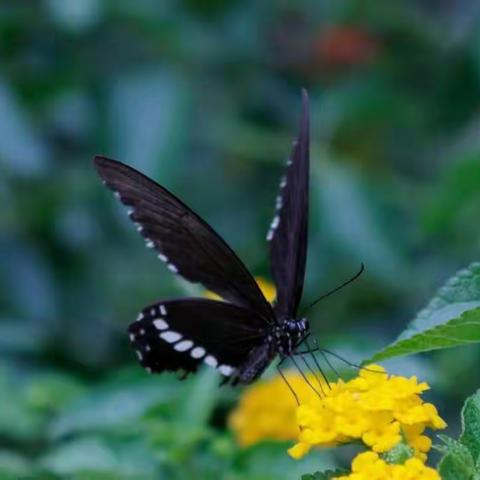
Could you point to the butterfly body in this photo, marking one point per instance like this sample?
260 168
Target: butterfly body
280 340
241 335
258 359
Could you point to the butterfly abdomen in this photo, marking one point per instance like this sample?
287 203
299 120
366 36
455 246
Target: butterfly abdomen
257 361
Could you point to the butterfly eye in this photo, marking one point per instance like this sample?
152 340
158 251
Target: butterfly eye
293 326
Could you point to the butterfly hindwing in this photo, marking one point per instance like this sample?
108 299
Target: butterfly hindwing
182 334
182 239
288 232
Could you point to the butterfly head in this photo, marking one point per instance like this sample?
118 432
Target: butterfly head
297 328
289 335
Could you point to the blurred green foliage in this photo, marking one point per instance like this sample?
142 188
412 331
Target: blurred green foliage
205 98
460 459
451 318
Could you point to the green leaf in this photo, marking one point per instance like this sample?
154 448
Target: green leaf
269 461
94 457
457 463
471 425
112 407
52 391
326 475
13 466
200 400
456 189
452 318
452 468
17 420
399 454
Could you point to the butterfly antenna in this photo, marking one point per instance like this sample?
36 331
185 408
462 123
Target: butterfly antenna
336 289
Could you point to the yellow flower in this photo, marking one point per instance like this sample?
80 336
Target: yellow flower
379 409
369 466
299 450
424 414
375 408
267 288
383 435
267 411
420 443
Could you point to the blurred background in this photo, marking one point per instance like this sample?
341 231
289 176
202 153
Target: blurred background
205 98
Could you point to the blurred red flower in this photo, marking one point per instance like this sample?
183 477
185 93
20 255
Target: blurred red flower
344 46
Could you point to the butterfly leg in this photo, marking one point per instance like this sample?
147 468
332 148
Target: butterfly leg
315 361
307 380
286 381
324 352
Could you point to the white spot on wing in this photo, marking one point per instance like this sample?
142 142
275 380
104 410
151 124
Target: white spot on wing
226 370
275 222
170 336
150 244
163 310
147 348
139 355
278 202
160 324
153 311
162 257
140 317
211 361
132 337
273 227
283 182
172 268
183 346
198 352
142 331
148 369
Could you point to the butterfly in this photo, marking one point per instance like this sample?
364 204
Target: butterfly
241 334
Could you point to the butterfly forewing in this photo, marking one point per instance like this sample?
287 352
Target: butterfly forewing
288 233
183 240
182 334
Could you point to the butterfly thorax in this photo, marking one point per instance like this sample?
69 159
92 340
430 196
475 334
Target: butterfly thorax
288 335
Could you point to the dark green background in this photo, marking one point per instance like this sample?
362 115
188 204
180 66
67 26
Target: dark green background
204 96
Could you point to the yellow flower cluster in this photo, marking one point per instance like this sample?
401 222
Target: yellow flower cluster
267 410
369 466
373 407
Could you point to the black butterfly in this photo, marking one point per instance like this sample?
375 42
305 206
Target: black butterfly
241 335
